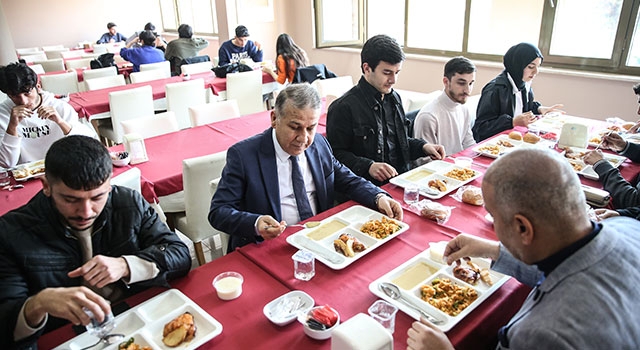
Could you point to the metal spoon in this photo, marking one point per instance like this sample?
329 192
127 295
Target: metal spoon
107 339
394 292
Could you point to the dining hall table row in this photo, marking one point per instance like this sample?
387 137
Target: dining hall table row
268 272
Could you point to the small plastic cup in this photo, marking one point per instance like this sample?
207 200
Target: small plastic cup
464 162
228 285
384 313
5 179
304 267
99 329
411 194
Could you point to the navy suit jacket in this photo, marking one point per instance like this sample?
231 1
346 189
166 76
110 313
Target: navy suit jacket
249 188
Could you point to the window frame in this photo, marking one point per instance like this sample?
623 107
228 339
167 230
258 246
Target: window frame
196 31
616 64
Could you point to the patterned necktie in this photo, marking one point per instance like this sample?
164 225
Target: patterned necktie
304 208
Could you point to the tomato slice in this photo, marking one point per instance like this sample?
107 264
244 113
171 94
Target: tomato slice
325 315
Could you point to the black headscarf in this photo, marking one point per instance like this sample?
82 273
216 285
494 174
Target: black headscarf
517 58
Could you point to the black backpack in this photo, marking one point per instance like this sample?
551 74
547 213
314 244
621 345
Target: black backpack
222 71
103 61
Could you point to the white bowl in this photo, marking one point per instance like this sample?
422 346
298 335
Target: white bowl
118 161
464 162
285 308
315 334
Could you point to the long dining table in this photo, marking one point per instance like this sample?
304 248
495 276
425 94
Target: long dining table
268 273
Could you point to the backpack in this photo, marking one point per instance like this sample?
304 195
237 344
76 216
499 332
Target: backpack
103 61
222 71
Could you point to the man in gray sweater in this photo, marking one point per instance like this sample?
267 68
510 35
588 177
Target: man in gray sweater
583 273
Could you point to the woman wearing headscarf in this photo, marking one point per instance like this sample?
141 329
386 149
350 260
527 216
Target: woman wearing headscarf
507 100
290 57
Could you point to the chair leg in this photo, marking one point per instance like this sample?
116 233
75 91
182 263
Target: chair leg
197 246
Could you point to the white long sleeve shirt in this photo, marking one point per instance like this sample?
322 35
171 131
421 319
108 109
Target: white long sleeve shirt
445 122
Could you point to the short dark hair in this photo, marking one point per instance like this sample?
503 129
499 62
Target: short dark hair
80 162
148 38
242 31
111 25
185 31
459 65
636 89
298 96
381 48
17 78
149 26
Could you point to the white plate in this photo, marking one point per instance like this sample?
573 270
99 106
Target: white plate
499 145
347 221
24 172
297 301
431 269
146 321
436 169
587 170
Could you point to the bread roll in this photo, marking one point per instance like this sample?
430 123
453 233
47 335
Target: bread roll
435 211
473 196
531 138
628 125
515 135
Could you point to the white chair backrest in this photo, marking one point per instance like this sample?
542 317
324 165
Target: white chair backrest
181 96
150 126
224 237
105 82
55 53
197 174
52 47
246 88
148 75
38 69
33 57
28 51
71 54
129 104
213 112
129 178
54 65
61 84
99 72
99 49
333 86
164 66
195 68
78 63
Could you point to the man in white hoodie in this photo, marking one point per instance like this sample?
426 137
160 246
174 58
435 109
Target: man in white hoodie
32 119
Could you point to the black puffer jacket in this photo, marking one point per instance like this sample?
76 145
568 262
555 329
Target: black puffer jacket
37 252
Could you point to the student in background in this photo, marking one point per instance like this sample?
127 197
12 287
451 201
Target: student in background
290 57
161 44
112 36
238 48
145 54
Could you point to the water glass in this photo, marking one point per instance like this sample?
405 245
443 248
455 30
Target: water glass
97 328
384 313
303 265
4 177
411 194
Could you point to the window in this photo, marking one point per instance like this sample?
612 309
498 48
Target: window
595 35
199 14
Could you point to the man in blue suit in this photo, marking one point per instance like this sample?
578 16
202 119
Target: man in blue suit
257 193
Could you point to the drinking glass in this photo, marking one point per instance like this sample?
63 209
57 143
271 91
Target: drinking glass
303 265
411 194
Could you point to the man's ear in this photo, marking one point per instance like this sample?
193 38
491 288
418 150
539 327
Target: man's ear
46 188
524 229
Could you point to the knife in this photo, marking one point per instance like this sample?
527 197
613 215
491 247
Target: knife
306 243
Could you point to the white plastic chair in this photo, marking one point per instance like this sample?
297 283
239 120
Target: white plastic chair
55 53
52 47
164 66
333 86
246 88
54 65
38 69
195 68
61 84
69 54
96 73
126 105
105 82
129 178
28 51
224 237
197 174
99 49
213 112
78 63
33 57
181 96
150 126
148 75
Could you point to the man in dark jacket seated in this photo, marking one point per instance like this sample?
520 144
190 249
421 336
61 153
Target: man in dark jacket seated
78 245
